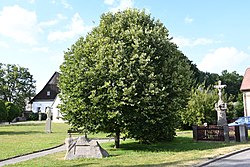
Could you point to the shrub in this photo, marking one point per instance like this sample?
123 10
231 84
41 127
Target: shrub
3 112
12 111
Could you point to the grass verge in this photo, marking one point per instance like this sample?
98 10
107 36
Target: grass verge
18 139
180 152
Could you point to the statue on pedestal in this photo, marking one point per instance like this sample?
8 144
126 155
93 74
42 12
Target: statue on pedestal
220 106
48 120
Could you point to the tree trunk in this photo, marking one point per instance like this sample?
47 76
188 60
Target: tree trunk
117 140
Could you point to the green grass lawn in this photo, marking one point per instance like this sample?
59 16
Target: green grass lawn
17 139
180 152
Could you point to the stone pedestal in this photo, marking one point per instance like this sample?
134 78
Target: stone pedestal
39 116
243 133
226 133
221 117
48 120
83 148
48 126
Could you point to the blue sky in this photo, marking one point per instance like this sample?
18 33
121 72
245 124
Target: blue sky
35 33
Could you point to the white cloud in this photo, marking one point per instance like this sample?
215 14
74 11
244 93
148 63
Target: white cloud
4 44
40 49
66 5
182 42
188 20
109 2
76 27
225 58
31 1
119 5
60 16
48 23
53 21
19 24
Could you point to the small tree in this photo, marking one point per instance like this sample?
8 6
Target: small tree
3 112
200 107
16 84
12 111
235 109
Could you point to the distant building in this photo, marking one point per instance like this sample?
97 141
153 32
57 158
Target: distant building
245 88
48 97
57 116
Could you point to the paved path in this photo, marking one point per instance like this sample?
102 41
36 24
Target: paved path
237 159
40 154
31 156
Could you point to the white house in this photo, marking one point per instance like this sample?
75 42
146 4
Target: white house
57 116
245 88
47 97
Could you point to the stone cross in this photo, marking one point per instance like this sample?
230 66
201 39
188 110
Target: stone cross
221 107
48 120
219 87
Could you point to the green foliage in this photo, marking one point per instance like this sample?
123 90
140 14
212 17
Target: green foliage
200 107
233 81
3 112
208 79
16 84
12 111
126 76
34 116
235 109
232 95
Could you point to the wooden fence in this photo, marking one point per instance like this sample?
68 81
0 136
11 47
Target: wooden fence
216 133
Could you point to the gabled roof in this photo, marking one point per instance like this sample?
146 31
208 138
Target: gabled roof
245 85
49 91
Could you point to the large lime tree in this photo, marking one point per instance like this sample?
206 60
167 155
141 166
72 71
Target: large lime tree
127 77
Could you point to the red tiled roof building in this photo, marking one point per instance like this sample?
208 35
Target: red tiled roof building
245 88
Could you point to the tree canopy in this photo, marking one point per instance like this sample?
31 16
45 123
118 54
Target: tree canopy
16 84
233 81
125 76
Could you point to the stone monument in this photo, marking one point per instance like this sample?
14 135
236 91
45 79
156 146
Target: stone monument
48 120
39 114
82 147
220 106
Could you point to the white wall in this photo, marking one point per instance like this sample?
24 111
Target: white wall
246 100
57 116
42 105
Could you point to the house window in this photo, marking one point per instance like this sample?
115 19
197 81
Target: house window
48 93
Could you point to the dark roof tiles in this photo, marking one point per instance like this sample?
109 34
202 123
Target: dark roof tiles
49 91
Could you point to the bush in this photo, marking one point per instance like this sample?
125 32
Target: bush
35 116
3 112
12 111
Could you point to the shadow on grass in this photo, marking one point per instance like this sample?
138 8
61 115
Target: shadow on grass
24 124
19 132
77 165
179 144
152 165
